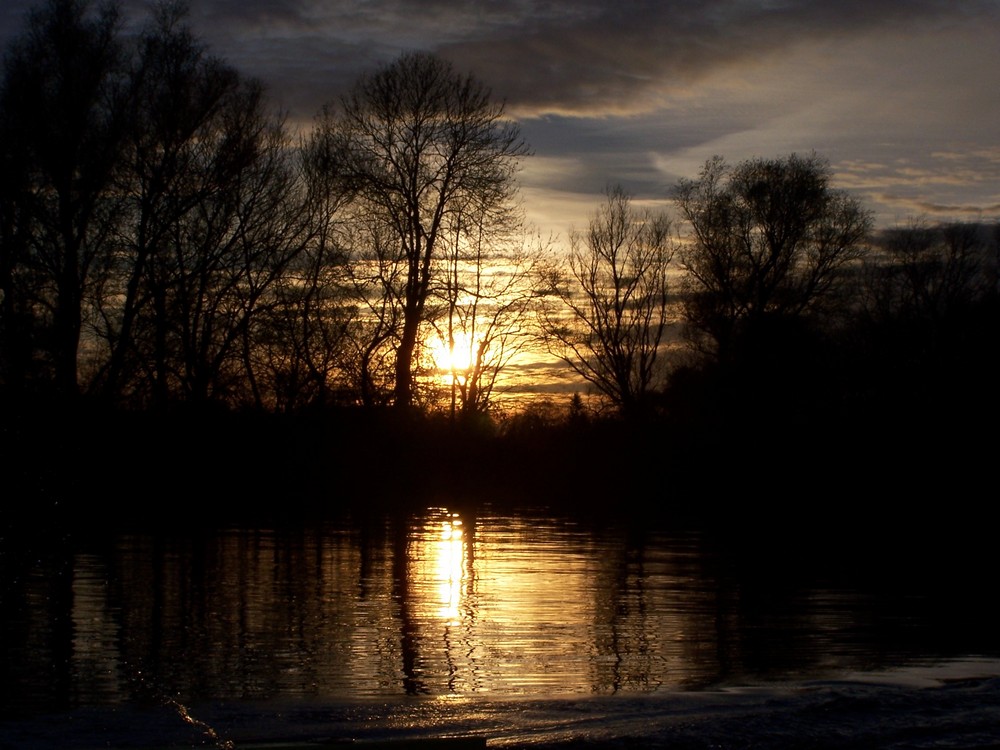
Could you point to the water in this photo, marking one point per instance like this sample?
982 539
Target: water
523 627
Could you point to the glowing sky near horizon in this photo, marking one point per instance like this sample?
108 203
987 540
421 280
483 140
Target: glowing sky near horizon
902 96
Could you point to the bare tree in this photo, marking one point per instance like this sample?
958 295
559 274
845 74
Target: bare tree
176 94
770 239
216 215
62 113
489 299
232 249
376 273
930 294
613 312
19 272
417 141
930 273
297 344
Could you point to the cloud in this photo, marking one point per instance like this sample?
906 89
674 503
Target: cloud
899 95
625 58
580 58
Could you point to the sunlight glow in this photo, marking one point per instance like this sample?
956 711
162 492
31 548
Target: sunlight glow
452 360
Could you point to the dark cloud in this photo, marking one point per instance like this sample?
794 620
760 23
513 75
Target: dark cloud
249 16
542 56
602 56
963 211
641 92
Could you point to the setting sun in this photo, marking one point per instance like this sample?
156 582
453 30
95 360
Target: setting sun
451 359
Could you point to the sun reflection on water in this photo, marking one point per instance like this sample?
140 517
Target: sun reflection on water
449 555
432 603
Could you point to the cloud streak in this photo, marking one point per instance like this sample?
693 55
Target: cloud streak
573 57
900 95
624 58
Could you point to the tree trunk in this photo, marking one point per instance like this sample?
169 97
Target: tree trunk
403 396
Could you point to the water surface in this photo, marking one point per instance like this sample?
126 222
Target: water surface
522 626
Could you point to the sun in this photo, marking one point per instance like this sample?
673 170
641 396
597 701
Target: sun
445 358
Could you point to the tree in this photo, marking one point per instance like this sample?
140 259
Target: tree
63 120
615 299
175 92
374 271
19 275
215 215
770 241
300 343
929 310
489 299
930 274
417 143
230 251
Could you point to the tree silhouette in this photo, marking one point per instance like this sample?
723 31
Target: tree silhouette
299 342
928 315
770 241
415 143
215 215
613 312
63 120
489 301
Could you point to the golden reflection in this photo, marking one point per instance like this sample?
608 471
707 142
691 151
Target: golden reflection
436 603
449 557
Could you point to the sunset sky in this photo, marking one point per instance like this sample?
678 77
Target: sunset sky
902 96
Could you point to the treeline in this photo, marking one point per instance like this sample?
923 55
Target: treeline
814 351
169 245
166 239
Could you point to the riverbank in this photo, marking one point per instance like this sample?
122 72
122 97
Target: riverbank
193 468
908 710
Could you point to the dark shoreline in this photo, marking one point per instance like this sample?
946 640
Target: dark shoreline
81 467
828 714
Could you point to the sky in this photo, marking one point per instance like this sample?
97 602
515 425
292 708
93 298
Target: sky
902 97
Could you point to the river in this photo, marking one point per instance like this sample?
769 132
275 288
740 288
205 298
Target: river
520 627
